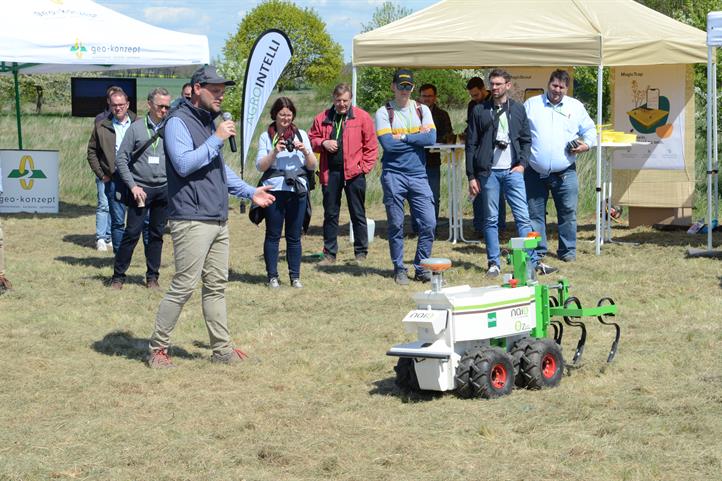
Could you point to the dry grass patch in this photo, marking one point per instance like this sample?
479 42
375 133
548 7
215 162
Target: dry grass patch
317 400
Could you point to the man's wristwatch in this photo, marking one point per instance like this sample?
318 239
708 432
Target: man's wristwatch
403 138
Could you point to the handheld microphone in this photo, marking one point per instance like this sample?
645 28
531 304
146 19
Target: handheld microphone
232 138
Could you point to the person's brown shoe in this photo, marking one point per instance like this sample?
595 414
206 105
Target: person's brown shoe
5 284
152 284
232 357
116 284
328 260
159 359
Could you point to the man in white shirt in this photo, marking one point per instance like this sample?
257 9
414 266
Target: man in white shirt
560 129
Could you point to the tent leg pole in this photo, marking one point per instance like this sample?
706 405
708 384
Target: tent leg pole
600 87
17 106
715 160
354 79
711 113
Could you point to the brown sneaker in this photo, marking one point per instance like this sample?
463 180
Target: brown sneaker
116 284
5 284
231 357
152 284
159 359
328 260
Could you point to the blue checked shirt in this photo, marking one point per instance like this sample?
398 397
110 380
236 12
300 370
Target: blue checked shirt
552 128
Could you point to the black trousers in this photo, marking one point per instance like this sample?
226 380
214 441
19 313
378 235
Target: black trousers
157 203
355 198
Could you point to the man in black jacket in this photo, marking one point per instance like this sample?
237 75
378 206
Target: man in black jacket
444 135
497 147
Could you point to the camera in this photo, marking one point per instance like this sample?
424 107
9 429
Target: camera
501 145
289 145
573 144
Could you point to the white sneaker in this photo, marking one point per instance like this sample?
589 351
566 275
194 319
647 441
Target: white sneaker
493 271
101 245
110 245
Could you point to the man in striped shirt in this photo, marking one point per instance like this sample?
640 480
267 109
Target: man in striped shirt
404 128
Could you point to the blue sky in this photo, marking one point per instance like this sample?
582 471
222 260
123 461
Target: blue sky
219 19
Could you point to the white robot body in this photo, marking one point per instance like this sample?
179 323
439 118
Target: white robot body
452 321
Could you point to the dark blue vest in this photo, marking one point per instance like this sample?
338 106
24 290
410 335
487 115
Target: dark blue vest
202 195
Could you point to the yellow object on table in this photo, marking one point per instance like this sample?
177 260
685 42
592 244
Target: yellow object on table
647 117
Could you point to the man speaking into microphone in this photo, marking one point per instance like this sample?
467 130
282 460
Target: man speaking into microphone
198 186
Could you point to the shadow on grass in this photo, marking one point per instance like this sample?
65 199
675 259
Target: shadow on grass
354 270
82 240
663 239
124 343
388 387
97 262
235 276
129 280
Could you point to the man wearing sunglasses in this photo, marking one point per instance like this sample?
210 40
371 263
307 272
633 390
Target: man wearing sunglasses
141 166
404 128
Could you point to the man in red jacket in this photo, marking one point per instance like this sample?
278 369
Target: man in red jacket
346 139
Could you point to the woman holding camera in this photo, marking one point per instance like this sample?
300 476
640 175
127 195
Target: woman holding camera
284 154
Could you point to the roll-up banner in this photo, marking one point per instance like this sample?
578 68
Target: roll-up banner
269 56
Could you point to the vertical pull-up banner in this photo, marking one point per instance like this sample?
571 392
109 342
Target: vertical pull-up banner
269 56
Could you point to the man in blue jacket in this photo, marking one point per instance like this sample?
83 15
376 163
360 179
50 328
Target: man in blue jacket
198 186
404 128
497 152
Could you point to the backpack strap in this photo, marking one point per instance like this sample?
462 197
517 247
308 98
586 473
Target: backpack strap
390 112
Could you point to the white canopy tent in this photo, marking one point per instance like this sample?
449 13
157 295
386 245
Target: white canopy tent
43 36
451 34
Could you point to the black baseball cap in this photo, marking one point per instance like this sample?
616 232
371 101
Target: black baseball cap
208 75
403 76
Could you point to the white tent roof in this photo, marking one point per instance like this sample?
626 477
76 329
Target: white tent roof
79 35
460 33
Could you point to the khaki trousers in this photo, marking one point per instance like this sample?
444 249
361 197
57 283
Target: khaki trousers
2 252
201 252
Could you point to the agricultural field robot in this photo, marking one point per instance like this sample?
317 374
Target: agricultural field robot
483 341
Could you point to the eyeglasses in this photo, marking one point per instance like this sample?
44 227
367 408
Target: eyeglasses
405 87
166 107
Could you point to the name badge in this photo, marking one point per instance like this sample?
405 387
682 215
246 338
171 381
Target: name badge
152 159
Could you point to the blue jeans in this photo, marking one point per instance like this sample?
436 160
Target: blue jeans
102 214
564 188
478 207
512 184
116 210
416 191
289 208
434 175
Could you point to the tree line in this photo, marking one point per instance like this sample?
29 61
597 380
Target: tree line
318 64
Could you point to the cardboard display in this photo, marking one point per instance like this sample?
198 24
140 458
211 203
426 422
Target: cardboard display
669 191
30 181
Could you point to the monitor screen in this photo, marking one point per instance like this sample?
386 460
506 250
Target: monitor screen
88 94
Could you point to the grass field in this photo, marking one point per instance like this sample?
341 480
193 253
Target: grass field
317 399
